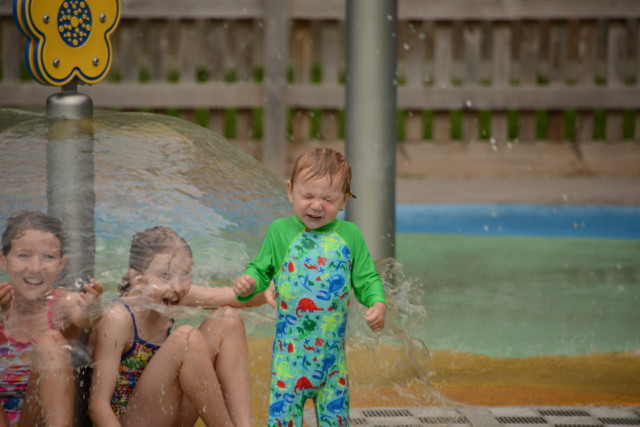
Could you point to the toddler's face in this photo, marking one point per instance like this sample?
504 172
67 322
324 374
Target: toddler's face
316 202
34 263
167 279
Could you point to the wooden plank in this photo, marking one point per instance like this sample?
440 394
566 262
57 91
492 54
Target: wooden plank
249 95
12 50
443 63
169 95
471 75
519 97
156 44
331 61
241 33
585 75
616 43
501 72
528 75
557 69
215 37
301 61
516 9
407 9
412 58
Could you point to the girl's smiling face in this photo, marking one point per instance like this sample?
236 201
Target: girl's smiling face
34 263
167 279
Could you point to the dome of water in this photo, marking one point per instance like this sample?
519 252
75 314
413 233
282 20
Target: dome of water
145 170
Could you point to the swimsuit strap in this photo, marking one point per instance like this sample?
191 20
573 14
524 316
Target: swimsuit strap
135 327
133 319
50 302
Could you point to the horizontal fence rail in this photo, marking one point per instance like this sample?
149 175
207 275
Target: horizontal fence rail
495 70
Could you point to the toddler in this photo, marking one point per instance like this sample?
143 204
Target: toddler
315 259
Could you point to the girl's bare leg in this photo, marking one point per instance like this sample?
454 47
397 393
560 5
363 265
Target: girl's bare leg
227 341
4 421
180 368
50 394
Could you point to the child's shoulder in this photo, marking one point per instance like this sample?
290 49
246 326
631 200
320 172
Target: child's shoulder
117 312
344 226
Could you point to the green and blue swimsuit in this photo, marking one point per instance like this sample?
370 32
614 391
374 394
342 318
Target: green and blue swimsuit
314 272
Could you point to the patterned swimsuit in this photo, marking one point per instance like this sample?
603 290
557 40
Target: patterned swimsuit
15 367
313 272
132 363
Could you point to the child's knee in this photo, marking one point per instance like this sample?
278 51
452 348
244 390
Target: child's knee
186 335
225 319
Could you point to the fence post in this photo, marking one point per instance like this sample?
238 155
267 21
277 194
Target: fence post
370 120
276 54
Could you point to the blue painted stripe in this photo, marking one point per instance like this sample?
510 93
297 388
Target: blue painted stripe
592 221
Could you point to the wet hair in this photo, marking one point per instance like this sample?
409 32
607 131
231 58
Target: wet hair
23 221
145 246
323 162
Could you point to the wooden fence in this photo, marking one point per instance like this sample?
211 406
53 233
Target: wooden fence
494 70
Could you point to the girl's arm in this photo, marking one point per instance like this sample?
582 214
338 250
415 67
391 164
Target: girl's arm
108 340
84 308
6 294
203 296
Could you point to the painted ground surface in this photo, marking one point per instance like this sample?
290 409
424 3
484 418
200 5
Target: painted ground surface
512 316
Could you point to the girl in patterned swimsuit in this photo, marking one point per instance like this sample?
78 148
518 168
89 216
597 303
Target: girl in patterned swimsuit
145 373
38 323
315 260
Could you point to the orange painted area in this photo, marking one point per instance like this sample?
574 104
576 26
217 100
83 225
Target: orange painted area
394 377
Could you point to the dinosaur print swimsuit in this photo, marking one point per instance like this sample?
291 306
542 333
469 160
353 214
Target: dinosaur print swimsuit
313 272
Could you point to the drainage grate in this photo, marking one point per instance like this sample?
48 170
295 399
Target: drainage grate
444 420
563 413
576 425
620 421
397 425
521 420
387 413
525 416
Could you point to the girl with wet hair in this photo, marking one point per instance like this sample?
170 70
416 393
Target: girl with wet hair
148 372
39 323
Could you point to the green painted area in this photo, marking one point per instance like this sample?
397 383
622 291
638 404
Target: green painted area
524 296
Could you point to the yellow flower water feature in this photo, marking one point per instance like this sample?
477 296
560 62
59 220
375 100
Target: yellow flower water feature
68 39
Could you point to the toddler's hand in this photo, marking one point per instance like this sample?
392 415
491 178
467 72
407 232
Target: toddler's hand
375 316
6 295
245 285
270 295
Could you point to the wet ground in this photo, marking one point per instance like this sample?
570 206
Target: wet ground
457 388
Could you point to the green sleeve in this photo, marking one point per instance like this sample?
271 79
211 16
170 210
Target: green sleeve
268 261
365 280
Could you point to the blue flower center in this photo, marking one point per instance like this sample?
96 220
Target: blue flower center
74 22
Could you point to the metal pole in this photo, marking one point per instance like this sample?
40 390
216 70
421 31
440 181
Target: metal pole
371 120
71 198
276 61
